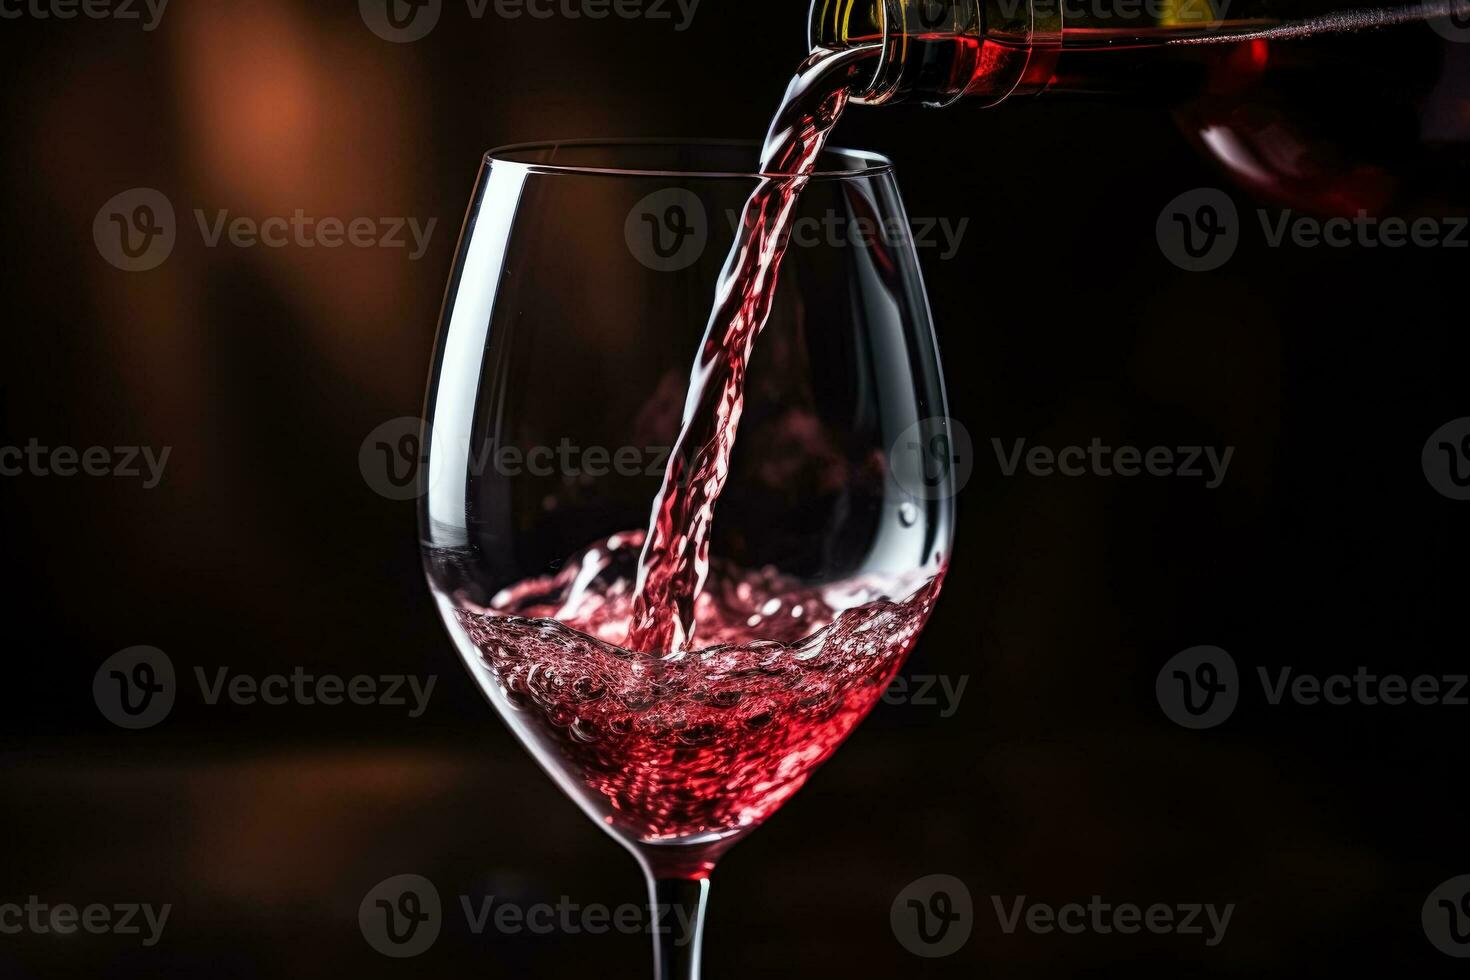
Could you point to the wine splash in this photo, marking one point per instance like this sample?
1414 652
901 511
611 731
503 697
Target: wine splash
694 744
675 560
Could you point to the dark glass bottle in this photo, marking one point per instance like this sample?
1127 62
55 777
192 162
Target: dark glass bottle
1330 105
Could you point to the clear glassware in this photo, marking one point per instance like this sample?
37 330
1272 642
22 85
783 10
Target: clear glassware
580 291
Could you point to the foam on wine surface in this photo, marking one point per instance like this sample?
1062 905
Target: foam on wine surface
699 743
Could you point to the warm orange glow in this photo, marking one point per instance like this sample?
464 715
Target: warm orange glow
283 113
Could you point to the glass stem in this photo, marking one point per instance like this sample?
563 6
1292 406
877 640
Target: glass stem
678 918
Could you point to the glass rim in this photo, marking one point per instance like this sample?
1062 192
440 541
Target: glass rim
871 164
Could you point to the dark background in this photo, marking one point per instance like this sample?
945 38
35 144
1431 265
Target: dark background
1058 778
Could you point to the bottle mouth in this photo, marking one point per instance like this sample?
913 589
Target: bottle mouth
926 45
935 51
842 24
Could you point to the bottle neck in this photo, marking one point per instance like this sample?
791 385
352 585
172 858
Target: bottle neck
937 51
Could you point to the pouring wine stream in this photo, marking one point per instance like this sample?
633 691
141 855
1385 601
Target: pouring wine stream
675 560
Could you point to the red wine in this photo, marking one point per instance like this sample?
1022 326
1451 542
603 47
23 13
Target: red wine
693 744
675 559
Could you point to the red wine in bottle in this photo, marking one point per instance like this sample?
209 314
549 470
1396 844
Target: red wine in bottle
1329 105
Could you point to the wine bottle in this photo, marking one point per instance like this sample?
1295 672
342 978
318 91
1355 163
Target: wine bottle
1331 105
937 51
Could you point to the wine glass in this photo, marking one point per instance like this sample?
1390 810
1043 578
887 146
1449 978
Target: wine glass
579 295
